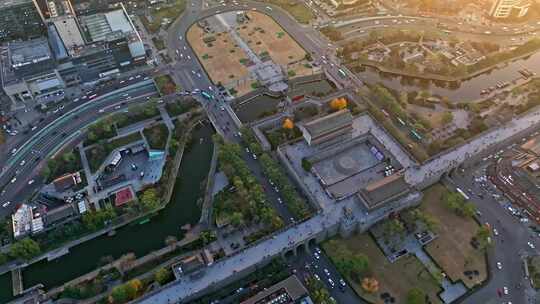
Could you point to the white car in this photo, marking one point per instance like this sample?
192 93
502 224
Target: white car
530 245
505 290
23 162
499 265
279 200
30 181
495 232
13 180
6 204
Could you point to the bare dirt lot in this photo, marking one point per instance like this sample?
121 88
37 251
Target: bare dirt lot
263 34
220 58
452 249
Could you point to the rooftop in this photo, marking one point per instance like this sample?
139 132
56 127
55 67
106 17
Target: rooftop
8 3
328 123
27 52
379 191
532 145
284 292
102 26
68 30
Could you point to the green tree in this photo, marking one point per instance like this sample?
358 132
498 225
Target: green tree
25 249
447 117
150 199
163 276
416 296
469 209
306 164
119 294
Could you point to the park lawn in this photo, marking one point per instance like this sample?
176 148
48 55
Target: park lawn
435 117
165 84
97 154
452 249
180 106
169 11
297 9
156 136
158 43
394 278
135 114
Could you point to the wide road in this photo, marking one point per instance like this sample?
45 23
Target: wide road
511 241
24 165
189 73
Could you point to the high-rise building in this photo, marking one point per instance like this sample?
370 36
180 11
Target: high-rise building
509 8
20 19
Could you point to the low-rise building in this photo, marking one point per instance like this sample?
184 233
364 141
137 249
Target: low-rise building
288 291
28 72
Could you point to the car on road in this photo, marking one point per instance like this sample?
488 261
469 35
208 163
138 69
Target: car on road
276 189
316 276
326 271
332 284
247 150
13 151
505 290
6 204
499 265
342 283
495 232
30 181
530 245
316 256
13 180
280 200
254 156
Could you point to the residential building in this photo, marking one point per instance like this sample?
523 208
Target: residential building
20 19
509 8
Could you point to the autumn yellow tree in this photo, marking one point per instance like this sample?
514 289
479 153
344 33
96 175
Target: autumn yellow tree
338 104
370 285
288 124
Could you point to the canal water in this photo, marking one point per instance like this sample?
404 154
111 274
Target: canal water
137 238
465 90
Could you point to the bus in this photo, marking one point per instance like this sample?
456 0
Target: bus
207 96
465 196
342 73
416 135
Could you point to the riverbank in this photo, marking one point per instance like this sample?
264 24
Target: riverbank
435 77
182 210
